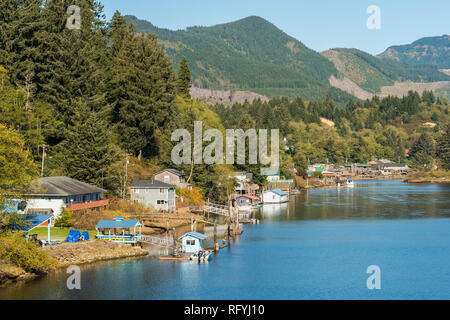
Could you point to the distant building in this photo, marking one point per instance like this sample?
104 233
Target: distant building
246 202
173 177
154 193
52 194
271 175
274 196
245 182
387 167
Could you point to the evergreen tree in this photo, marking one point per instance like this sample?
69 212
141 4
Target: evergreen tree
184 79
423 150
88 150
142 90
443 148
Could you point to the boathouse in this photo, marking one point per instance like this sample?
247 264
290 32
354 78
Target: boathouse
275 196
119 230
192 241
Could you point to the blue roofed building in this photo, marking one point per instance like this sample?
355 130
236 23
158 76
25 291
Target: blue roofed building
119 230
274 196
192 241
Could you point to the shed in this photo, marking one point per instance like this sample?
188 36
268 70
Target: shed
192 241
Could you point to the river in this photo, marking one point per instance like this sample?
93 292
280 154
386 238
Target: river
318 246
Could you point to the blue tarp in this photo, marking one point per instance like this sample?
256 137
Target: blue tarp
85 235
74 236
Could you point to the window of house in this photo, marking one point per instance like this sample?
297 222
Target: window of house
160 201
190 242
161 190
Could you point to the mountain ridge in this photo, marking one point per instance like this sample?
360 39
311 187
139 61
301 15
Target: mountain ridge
252 54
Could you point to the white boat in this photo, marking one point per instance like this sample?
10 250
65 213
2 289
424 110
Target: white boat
201 256
349 182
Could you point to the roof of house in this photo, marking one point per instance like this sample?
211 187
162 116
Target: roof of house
269 172
195 235
278 192
150 184
248 196
174 171
35 220
61 186
395 165
118 224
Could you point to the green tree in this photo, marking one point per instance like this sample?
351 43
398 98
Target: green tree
423 150
88 151
443 148
184 79
142 90
17 168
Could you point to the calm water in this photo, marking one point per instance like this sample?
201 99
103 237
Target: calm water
316 247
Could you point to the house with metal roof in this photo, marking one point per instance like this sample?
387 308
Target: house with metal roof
56 193
119 230
274 196
154 194
192 241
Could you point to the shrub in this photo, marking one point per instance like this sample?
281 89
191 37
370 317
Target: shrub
26 255
65 220
192 197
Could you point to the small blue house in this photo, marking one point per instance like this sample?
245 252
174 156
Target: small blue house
192 241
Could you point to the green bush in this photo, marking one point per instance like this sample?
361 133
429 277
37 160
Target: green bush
26 255
65 220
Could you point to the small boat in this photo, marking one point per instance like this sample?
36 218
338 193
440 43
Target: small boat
201 256
349 182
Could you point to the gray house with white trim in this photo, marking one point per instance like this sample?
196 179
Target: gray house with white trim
154 193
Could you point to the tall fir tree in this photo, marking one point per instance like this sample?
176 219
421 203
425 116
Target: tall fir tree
88 149
443 148
184 79
142 90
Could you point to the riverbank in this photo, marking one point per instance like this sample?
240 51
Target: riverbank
67 254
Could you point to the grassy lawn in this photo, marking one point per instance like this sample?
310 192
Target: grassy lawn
57 233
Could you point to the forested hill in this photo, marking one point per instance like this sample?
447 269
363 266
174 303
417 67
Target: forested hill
371 73
250 54
429 50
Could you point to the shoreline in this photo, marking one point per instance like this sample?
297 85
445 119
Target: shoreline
81 253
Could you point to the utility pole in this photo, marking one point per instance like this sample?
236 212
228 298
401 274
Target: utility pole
126 177
43 158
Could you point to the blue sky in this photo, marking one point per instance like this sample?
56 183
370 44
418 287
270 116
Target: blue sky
318 24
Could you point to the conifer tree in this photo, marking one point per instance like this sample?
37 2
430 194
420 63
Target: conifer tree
184 79
88 149
142 90
443 148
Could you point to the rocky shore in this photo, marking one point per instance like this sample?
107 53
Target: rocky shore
92 251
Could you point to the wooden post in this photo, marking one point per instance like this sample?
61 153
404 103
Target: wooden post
215 236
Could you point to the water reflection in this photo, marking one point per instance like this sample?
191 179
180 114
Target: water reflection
317 246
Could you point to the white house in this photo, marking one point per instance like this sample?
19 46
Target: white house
274 196
154 193
53 194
